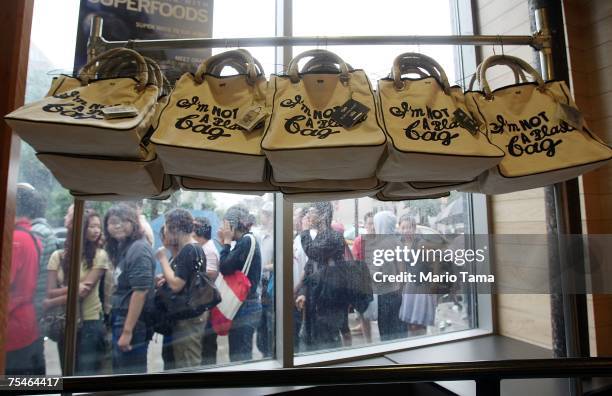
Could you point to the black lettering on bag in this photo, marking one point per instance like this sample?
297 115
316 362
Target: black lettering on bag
291 103
193 102
292 125
405 109
548 146
77 112
186 123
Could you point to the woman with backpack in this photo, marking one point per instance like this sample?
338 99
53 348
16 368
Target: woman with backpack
94 262
188 325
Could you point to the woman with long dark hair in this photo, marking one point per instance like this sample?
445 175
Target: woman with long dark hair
320 295
133 279
237 224
94 263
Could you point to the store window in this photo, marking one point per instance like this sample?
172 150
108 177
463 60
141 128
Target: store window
48 207
326 233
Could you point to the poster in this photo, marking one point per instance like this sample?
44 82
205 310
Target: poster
147 20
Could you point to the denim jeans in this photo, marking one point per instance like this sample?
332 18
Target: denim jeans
90 347
240 336
134 360
29 360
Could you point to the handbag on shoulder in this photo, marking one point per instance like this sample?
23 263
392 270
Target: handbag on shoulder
539 128
199 295
234 290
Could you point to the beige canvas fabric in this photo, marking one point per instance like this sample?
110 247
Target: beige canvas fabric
425 142
71 120
302 143
424 189
353 184
197 134
528 122
63 83
314 195
383 197
195 184
106 175
169 186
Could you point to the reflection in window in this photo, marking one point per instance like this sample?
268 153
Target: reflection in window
329 247
154 249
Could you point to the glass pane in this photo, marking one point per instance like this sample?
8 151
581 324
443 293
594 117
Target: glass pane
388 17
237 18
147 255
41 205
336 234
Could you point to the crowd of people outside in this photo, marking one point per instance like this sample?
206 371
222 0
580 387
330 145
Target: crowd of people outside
121 272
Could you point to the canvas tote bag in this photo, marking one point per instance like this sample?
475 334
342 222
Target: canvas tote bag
538 126
169 186
106 175
382 196
78 120
302 142
258 188
412 190
198 133
234 290
426 141
300 194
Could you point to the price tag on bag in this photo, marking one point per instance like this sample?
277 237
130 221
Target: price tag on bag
350 113
120 111
252 116
465 121
571 115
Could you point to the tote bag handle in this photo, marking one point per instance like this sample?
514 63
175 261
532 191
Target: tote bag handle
116 65
92 67
519 74
249 260
323 65
490 61
325 57
232 57
410 69
421 61
237 63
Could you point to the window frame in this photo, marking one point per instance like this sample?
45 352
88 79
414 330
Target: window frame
477 215
478 223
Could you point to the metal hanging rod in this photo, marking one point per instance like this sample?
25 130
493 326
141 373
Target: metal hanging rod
537 41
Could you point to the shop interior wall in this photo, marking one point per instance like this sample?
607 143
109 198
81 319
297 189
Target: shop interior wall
524 317
589 41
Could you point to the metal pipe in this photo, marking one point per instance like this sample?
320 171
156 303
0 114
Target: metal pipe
283 266
72 301
534 41
461 371
95 36
560 218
